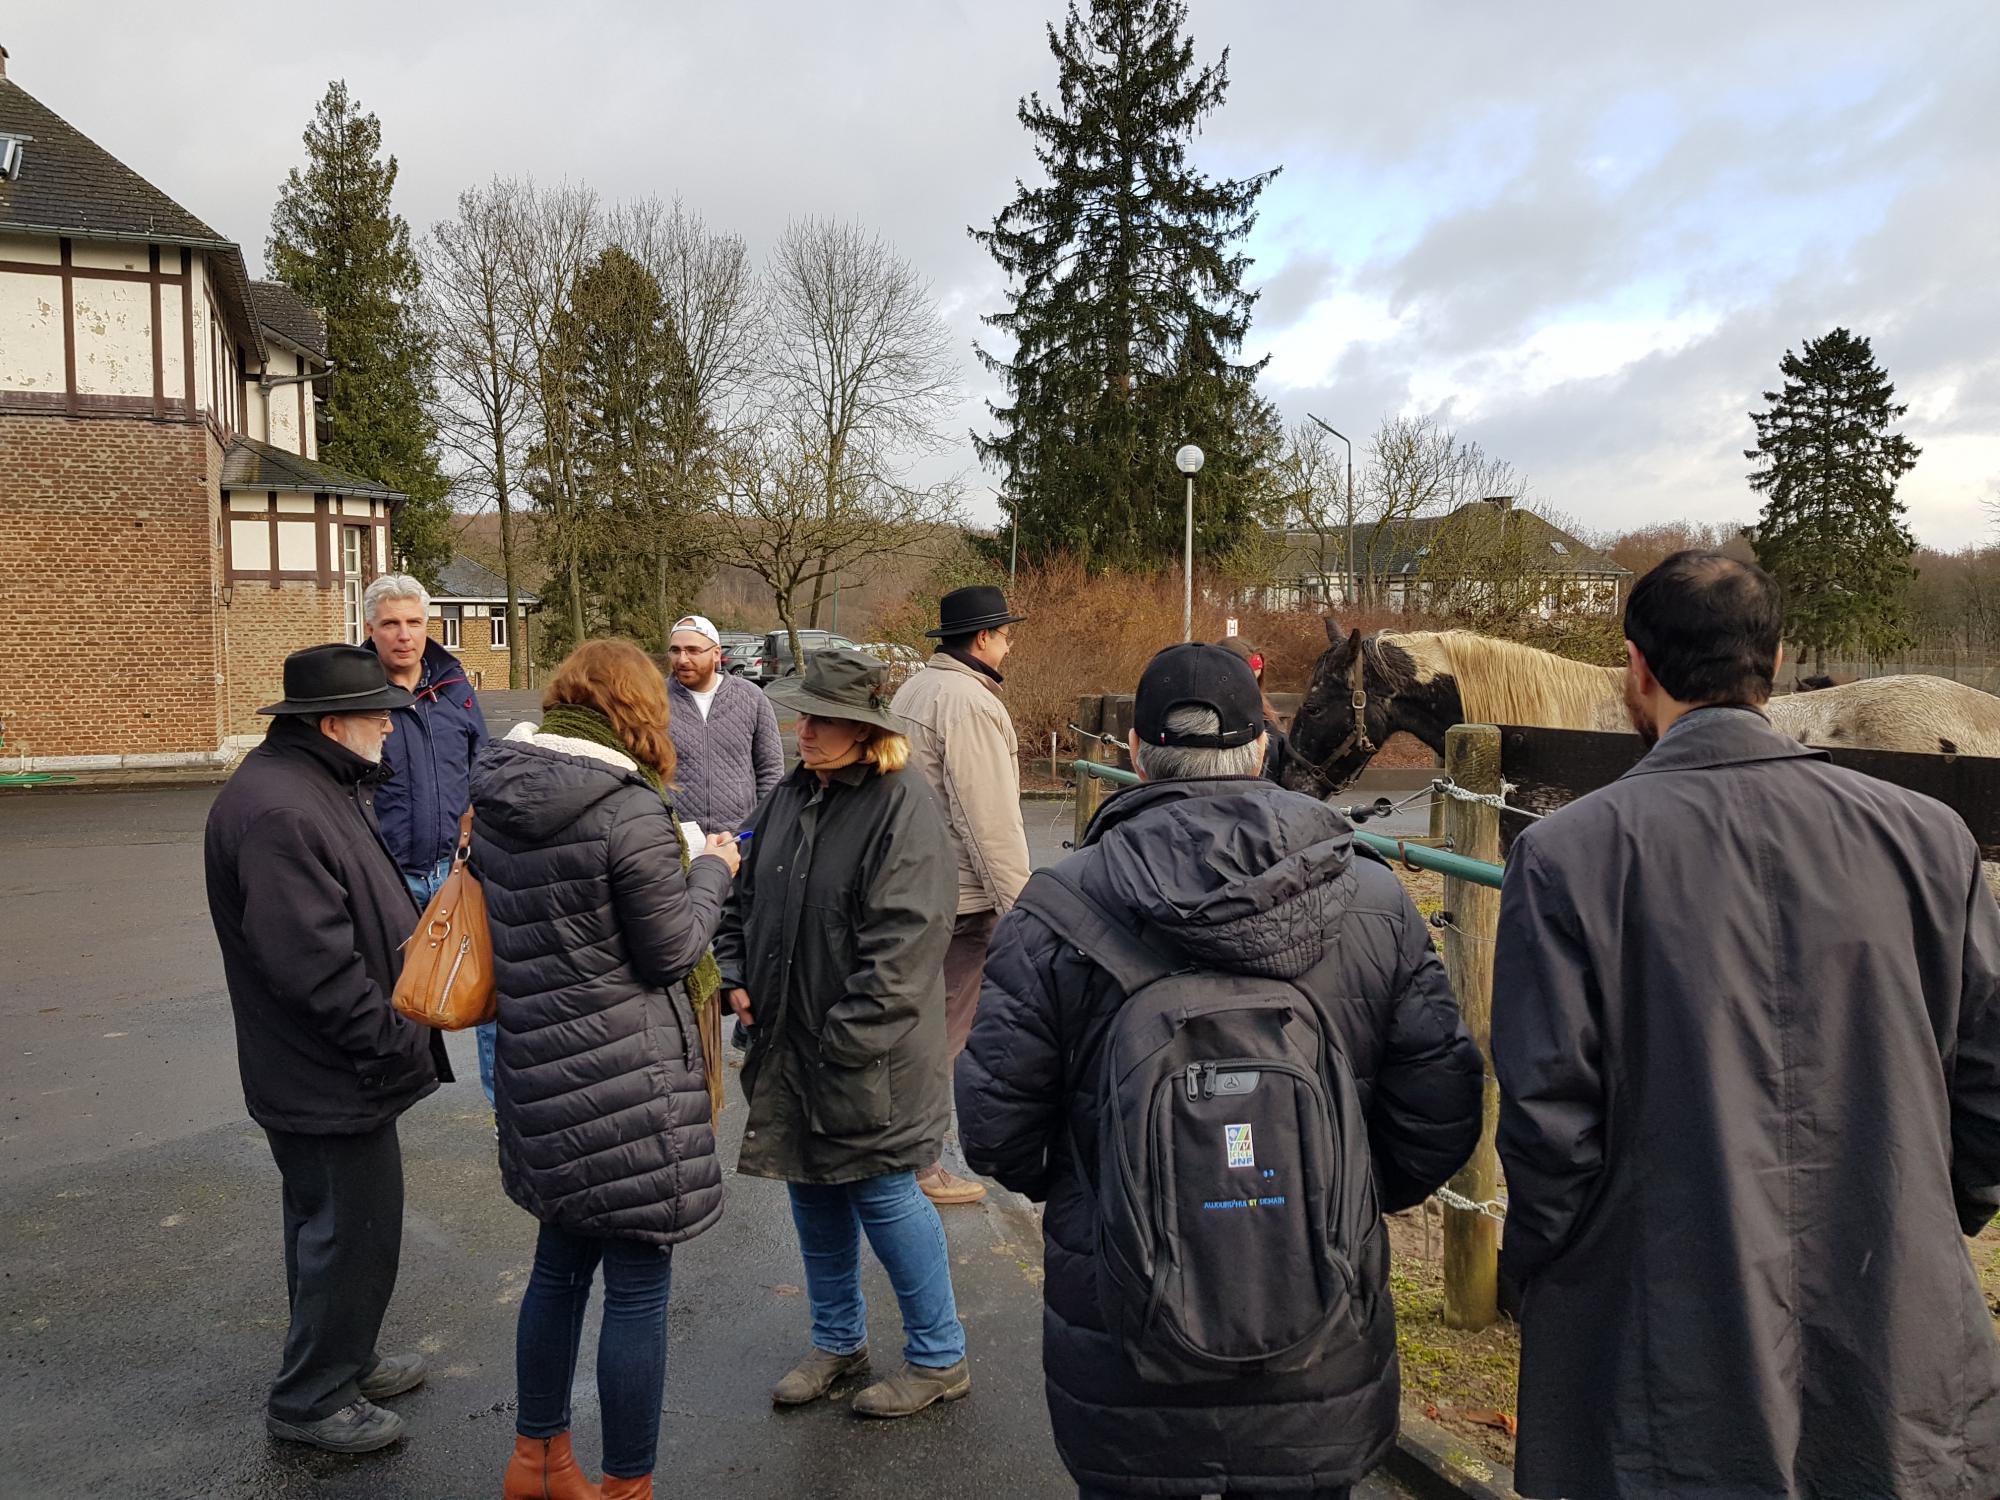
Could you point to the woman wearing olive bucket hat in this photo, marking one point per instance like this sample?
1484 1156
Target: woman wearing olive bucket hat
832 953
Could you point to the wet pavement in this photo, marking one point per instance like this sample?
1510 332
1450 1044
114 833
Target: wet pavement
141 1281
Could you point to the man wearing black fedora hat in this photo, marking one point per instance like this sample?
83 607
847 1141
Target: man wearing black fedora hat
311 914
963 741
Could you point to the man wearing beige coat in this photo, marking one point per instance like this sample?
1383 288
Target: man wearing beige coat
963 741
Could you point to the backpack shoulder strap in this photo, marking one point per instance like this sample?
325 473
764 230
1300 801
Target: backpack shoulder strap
1058 899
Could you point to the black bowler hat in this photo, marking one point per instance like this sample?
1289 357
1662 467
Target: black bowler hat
970 610
337 680
1199 676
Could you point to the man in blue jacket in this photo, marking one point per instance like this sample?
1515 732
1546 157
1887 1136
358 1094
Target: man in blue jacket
430 755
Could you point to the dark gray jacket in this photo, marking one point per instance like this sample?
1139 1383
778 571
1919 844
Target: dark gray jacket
1246 877
604 1118
312 916
727 762
838 928
1746 1031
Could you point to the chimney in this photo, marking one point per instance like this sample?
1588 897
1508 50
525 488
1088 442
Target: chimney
1504 502
3 62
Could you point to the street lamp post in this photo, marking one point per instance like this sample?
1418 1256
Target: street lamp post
1188 460
1348 592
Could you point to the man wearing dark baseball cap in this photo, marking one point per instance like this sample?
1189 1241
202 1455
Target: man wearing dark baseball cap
1210 873
311 913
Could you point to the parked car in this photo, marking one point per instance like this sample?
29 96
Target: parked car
771 657
744 658
901 660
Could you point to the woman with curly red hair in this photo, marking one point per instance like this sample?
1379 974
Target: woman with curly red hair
601 925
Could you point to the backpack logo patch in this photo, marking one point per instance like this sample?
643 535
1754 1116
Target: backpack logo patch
1242 1148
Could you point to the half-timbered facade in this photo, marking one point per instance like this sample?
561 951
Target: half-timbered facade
167 532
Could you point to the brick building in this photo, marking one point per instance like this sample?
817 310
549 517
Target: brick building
167 533
469 619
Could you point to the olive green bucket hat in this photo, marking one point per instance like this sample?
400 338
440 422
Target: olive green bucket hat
840 684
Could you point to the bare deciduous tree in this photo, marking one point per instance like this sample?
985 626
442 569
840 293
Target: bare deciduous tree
556 231
777 525
482 395
1418 468
1319 506
858 371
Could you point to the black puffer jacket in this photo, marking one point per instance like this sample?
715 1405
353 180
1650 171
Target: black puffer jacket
604 1122
1244 876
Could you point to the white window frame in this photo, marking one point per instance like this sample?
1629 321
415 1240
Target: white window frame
354 544
450 618
497 614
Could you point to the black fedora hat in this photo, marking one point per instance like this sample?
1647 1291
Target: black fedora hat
337 680
970 610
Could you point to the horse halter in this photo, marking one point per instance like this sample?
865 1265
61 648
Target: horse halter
1357 737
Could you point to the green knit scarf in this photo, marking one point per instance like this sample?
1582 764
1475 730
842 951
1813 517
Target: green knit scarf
578 723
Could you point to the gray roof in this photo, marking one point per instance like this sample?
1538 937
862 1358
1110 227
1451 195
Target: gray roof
462 578
251 465
1405 544
70 185
284 312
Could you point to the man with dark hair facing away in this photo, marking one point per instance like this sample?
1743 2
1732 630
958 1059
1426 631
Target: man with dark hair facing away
1746 1032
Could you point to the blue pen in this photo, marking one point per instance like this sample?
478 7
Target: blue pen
746 835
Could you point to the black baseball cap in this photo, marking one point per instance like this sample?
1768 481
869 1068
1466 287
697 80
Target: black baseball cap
1196 675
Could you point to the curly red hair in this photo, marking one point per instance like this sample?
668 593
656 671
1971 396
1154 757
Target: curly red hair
620 681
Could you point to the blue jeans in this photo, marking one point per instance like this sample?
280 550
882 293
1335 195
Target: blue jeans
904 1231
423 887
631 1343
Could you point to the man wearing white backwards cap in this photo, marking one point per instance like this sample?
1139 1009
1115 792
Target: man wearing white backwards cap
724 730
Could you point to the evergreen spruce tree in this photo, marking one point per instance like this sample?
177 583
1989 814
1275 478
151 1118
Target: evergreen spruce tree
1832 528
337 242
1128 306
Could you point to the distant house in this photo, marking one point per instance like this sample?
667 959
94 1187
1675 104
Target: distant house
1483 555
469 619
167 531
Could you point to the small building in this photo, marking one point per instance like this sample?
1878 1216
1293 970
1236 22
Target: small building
167 532
469 619
1484 555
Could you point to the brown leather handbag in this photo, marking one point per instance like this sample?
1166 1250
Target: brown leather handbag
447 978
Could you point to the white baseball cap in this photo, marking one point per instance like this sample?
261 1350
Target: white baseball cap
700 625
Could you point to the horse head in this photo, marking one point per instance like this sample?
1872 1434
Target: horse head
1345 715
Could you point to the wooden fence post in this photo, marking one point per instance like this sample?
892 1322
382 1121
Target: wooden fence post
1089 789
1471 1239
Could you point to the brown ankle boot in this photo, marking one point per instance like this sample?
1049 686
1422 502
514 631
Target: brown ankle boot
545 1469
628 1489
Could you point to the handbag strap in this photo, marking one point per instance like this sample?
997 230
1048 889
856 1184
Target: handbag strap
464 850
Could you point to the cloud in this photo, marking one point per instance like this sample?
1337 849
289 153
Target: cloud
1586 233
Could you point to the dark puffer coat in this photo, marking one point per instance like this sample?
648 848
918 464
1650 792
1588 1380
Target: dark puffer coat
838 928
604 1122
1244 876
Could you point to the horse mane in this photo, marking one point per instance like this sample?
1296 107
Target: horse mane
1503 682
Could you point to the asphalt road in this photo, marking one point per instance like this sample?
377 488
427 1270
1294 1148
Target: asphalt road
141 1284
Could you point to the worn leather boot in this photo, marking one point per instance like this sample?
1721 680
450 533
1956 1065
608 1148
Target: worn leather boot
813 1376
912 1388
628 1489
545 1469
359 1427
393 1375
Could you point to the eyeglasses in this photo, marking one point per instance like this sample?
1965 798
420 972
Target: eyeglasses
691 650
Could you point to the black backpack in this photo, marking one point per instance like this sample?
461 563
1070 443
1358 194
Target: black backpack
1232 1172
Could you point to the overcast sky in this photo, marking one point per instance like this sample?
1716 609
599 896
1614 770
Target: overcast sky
1582 233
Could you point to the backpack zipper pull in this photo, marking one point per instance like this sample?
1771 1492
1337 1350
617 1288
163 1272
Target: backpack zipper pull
1208 1082
1194 1082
